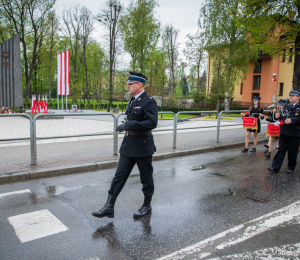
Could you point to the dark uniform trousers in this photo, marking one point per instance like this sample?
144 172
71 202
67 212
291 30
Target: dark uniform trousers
123 171
142 117
291 145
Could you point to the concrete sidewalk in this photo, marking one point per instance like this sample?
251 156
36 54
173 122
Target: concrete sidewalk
69 155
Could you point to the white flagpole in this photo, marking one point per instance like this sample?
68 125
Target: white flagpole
67 78
58 79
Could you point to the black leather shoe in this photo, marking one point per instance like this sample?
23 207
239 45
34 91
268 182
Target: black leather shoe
290 171
266 146
244 150
253 150
277 148
268 155
107 210
273 170
145 209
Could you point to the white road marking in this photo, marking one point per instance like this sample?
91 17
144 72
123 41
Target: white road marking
34 225
287 215
14 192
267 253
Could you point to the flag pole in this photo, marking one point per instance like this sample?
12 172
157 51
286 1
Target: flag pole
57 99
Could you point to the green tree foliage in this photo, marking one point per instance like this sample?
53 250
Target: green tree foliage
48 54
29 20
110 17
219 20
97 64
140 32
160 79
195 52
274 27
87 27
170 44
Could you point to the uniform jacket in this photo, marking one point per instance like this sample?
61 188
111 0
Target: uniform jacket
142 116
272 117
256 115
292 129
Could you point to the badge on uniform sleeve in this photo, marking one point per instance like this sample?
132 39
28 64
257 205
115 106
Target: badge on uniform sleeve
296 114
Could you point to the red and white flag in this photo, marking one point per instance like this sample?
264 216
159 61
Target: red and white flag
32 105
39 105
35 104
61 77
46 106
43 104
67 91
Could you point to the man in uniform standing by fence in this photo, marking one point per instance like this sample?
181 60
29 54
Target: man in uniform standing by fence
137 146
289 134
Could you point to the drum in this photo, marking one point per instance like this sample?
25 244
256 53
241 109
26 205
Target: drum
250 123
273 130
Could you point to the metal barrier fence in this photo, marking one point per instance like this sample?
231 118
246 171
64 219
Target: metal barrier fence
33 138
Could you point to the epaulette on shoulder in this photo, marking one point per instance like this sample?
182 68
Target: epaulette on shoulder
149 96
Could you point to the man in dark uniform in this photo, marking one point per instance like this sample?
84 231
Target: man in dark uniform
137 146
289 133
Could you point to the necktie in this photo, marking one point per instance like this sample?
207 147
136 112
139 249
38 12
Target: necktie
132 100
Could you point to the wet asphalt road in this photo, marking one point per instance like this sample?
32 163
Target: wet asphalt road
188 206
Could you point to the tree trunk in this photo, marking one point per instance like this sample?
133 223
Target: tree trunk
296 75
86 78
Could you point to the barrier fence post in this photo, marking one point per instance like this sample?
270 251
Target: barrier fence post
174 130
115 134
218 126
33 148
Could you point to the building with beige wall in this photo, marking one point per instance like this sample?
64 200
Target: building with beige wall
259 79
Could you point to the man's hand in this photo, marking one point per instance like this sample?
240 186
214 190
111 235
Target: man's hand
277 115
288 121
121 127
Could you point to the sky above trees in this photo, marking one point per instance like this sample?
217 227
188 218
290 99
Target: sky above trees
182 14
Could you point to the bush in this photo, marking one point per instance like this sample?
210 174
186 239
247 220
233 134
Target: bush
91 106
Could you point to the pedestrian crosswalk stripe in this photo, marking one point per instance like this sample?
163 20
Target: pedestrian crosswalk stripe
287 215
282 252
14 192
34 225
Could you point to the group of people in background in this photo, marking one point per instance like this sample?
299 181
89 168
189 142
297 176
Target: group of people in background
287 115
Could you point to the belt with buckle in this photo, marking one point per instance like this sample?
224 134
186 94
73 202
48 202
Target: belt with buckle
136 133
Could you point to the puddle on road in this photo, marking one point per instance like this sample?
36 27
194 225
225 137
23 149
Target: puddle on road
217 174
51 191
248 194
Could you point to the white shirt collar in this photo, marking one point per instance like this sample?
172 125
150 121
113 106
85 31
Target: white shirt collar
136 97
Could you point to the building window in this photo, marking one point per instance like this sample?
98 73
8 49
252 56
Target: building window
283 55
256 83
257 66
291 55
241 89
280 89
